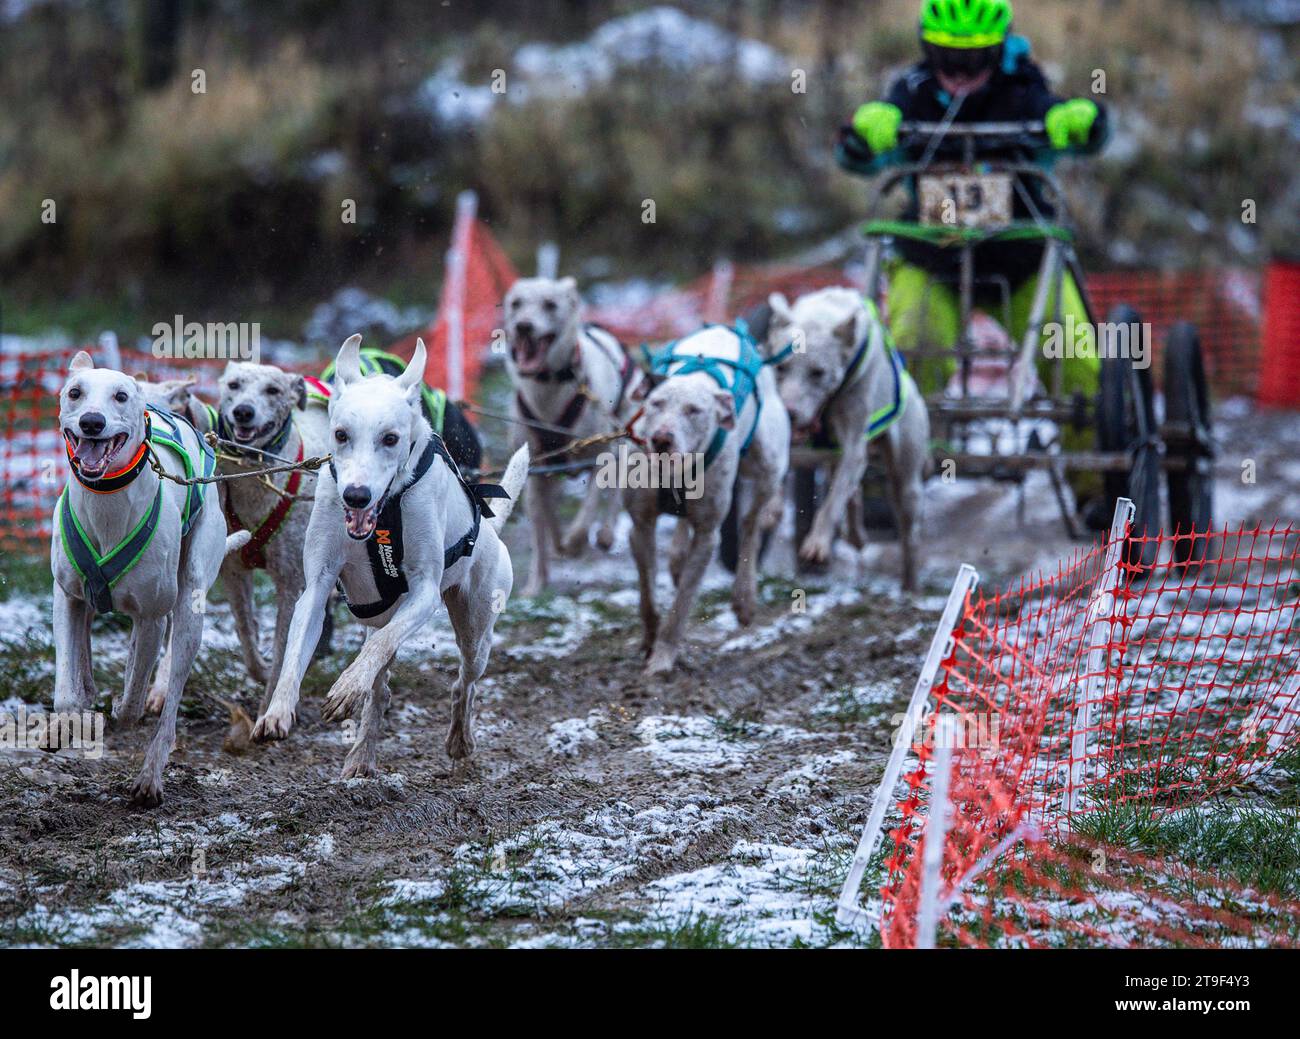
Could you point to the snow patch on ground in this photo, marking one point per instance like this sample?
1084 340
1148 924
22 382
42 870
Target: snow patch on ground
567 737
762 888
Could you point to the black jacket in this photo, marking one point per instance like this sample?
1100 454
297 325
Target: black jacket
1017 91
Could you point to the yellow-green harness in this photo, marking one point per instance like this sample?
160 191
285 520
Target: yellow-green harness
101 572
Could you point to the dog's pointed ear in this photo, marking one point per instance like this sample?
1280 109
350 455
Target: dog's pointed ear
300 392
347 366
570 287
781 318
726 409
411 380
81 363
142 377
780 307
179 395
847 330
643 387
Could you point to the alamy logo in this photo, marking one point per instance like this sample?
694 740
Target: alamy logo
639 471
73 992
53 730
1069 339
216 340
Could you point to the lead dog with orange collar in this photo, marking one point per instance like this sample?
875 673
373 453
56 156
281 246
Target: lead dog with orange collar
574 379
127 541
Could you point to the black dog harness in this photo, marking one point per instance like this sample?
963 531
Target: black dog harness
384 546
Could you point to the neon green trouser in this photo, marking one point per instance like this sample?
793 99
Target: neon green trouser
925 311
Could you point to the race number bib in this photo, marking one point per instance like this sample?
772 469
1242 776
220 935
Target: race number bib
965 199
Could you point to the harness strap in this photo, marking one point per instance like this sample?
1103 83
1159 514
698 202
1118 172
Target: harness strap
744 381
253 554
101 573
379 362
552 440
885 417
565 374
384 547
172 438
317 390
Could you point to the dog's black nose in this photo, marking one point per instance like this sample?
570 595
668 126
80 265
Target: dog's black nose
662 442
524 328
243 413
357 496
92 423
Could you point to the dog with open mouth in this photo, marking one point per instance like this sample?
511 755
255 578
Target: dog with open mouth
400 528
572 380
127 541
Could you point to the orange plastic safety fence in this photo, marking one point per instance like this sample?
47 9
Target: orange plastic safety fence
1078 697
1223 303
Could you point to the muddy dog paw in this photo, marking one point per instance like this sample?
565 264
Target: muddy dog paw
460 744
147 790
273 725
816 549
744 605
574 542
347 694
661 663
361 768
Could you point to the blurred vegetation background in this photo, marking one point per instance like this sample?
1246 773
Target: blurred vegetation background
227 202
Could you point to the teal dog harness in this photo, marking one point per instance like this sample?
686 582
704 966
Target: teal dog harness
101 573
743 381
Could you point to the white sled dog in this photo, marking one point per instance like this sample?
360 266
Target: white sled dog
848 380
397 524
576 379
126 540
716 411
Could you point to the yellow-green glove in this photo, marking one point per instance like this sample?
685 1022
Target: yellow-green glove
1069 123
876 122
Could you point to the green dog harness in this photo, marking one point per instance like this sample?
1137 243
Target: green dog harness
377 362
101 573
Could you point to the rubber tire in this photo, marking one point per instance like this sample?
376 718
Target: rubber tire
1125 418
1187 402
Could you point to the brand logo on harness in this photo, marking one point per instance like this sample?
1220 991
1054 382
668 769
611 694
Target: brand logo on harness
384 539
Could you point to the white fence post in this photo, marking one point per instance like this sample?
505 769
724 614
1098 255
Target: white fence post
548 260
715 307
112 351
454 297
936 830
1098 623
848 911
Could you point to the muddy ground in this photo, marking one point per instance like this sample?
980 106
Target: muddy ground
719 806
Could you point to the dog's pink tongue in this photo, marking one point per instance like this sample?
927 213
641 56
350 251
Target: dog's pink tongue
91 452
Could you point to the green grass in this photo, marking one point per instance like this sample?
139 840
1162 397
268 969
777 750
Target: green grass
24 576
1257 844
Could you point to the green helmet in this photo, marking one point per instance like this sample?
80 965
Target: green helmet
965 23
